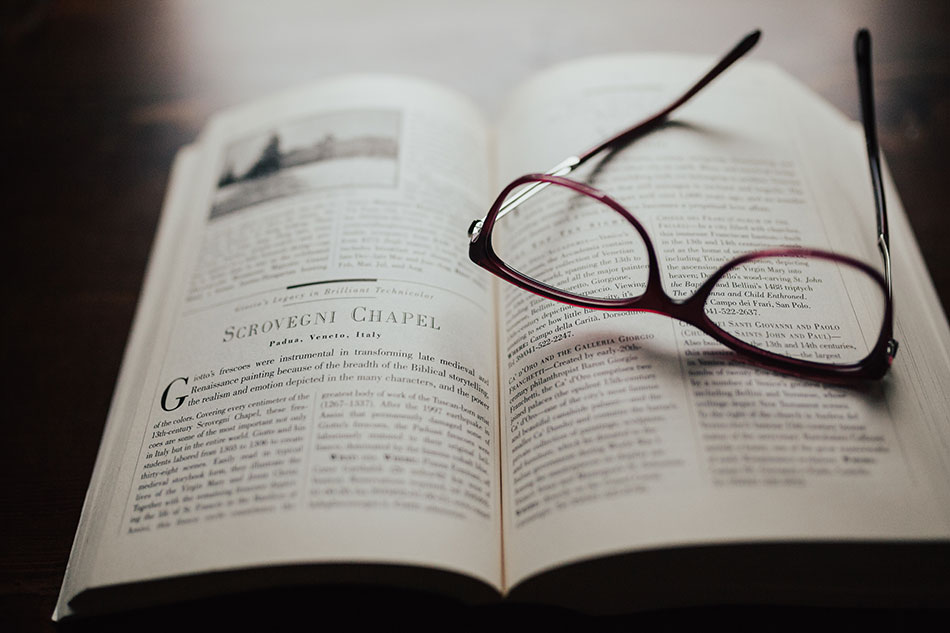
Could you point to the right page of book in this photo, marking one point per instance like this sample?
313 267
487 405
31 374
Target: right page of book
631 431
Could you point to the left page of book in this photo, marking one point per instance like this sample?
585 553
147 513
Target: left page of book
311 374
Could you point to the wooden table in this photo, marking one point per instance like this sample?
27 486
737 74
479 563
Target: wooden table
98 97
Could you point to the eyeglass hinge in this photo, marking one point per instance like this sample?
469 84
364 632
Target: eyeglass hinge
474 229
891 349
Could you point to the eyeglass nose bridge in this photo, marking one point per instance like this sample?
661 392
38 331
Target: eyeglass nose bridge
689 310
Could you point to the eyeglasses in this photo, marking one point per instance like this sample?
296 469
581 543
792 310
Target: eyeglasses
802 311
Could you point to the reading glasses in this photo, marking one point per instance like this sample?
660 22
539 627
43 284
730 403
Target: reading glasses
803 311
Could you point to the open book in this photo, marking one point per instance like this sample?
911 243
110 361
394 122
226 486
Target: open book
320 387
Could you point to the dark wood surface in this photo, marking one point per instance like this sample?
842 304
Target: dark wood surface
98 96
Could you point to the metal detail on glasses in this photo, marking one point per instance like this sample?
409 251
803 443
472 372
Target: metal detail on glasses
804 311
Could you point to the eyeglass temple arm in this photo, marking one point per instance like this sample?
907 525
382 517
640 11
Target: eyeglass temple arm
572 162
862 54
740 49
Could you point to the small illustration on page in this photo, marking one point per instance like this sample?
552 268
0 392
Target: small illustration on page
357 147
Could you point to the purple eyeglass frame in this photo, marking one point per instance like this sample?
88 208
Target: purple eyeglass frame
691 310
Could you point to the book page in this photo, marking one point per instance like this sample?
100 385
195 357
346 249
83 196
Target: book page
626 431
320 377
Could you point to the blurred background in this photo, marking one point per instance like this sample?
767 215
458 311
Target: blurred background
98 96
